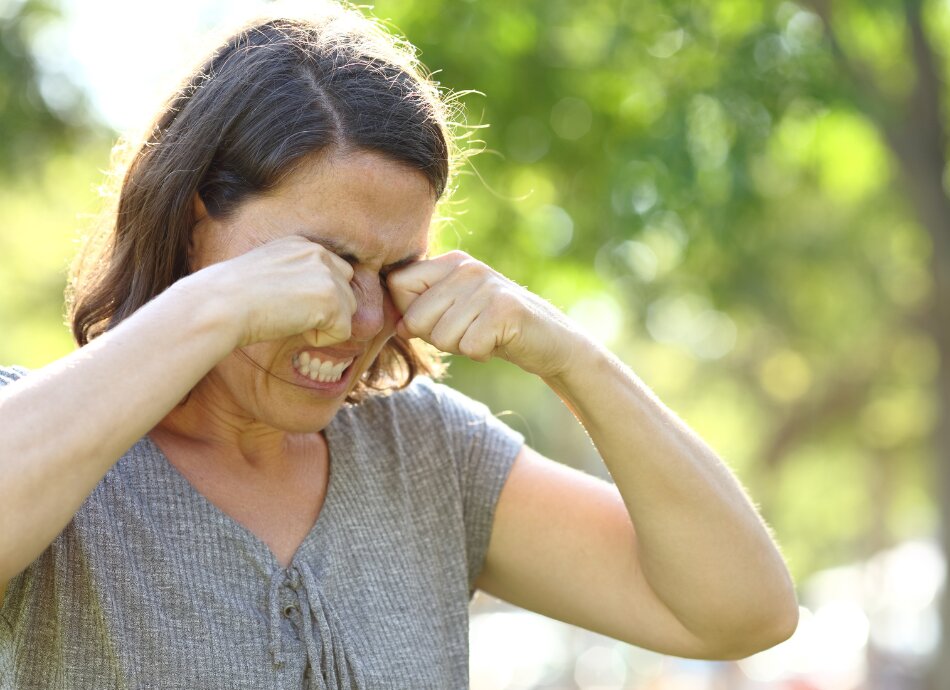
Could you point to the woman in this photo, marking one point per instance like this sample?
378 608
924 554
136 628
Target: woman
238 480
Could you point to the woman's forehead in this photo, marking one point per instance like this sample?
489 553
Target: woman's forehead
363 203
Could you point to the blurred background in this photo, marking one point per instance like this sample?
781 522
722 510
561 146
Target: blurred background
746 200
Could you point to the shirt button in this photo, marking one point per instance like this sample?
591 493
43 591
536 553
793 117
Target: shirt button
288 609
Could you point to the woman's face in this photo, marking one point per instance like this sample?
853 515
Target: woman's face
371 211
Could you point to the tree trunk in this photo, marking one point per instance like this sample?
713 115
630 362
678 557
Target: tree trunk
919 142
941 312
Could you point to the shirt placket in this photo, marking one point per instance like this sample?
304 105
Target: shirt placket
295 596
284 641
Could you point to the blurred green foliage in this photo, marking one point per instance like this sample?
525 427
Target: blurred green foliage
51 158
704 187
40 113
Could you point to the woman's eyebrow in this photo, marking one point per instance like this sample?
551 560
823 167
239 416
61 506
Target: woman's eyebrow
395 265
344 253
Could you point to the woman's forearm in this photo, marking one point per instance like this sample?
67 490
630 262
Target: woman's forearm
700 544
65 425
703 548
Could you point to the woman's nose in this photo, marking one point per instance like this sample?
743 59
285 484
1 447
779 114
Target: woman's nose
370 315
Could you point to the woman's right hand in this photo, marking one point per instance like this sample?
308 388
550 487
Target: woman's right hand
285 287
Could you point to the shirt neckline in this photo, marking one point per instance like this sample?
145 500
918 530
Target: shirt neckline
320 531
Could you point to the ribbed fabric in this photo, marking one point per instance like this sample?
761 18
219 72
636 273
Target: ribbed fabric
152 586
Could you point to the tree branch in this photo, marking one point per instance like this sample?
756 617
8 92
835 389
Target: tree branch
872 100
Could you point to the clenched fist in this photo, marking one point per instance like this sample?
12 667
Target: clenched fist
462 306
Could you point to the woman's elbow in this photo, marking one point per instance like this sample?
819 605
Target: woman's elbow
775 626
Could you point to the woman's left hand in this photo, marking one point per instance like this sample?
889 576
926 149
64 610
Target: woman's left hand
462 306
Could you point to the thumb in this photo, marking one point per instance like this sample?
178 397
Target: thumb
406 284
403 293
402 331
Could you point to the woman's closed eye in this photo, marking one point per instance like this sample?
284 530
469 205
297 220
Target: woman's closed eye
384 272
384 276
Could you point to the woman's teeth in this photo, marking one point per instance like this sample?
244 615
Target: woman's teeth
319 370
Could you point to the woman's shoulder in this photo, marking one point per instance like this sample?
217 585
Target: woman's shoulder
428 408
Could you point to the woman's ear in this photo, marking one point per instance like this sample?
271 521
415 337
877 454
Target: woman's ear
198 207
199 214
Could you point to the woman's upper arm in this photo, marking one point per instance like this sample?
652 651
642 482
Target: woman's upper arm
563 545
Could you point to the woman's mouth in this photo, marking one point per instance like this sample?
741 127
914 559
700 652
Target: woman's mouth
320 370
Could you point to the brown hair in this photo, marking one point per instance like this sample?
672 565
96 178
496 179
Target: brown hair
277 91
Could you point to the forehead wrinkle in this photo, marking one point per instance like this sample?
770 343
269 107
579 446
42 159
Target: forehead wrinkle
340 223
362 205
318 214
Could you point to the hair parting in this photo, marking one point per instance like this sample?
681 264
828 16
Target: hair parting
273 95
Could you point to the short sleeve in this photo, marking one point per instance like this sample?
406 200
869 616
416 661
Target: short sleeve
10 374
7 375
484 449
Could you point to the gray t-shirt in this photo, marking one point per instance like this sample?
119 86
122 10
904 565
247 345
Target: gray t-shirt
152 586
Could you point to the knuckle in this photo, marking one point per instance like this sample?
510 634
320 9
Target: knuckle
332 261
345 269
470 268
488 290
324 289
505 304
340 326
442 340
412 322
473 350
456 255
